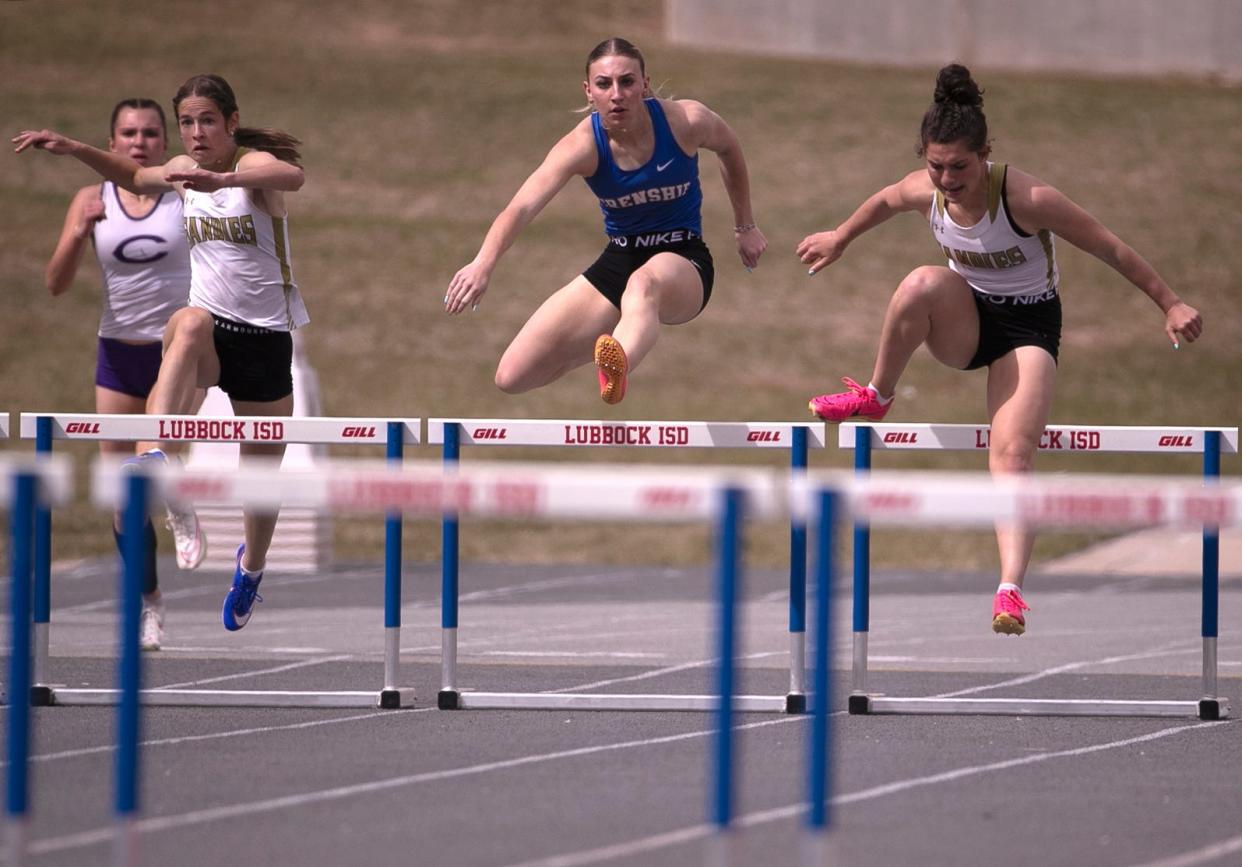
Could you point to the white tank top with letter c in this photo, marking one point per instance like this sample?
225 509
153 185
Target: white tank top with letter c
145 264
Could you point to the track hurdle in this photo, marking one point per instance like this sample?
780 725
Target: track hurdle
451 434
394 434
725 496
26 484
1071 439
4 425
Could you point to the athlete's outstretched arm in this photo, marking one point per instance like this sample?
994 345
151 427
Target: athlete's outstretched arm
911 193
710 131
572 155
256 170
117 168
1036 205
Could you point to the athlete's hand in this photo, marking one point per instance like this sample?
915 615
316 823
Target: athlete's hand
199 180
750 246
92 213
1183 320
820 250
466 290
44 140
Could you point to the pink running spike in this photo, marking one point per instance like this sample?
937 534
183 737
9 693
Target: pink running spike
1007 610
857 401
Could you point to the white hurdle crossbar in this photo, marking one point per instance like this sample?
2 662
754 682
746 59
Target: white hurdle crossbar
577 433
4 425
394 434
1073 439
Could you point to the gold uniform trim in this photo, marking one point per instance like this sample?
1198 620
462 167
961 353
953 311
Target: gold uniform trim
996 185
282 256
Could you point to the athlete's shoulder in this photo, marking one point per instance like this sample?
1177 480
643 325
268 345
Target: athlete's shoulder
1028 196
686 112
250 159
179 163
85 194
915 190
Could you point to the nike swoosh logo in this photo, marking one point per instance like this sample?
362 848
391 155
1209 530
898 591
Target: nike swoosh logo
661 168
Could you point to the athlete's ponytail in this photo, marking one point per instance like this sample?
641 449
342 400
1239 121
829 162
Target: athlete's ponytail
956 113
276 142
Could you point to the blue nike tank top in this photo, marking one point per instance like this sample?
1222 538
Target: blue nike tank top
660 196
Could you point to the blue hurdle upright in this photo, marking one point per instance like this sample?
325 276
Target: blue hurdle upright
452 434
26 485
1068 439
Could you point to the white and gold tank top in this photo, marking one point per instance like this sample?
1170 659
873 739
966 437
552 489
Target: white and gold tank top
994 255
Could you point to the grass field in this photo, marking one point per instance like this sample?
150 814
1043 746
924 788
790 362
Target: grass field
420 119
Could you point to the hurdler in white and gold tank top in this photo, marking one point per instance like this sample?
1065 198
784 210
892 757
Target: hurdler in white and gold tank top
994 256
240 261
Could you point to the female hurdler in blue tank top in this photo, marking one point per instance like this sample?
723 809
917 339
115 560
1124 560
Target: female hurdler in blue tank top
639 156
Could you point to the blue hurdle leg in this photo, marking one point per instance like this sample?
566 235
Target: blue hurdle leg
858 702
448 697
21 520
130 667
390 697
795 701
821 699
1210 704
727 566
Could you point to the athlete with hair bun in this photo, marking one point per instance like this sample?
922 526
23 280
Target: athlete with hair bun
639 155
243 302
997 304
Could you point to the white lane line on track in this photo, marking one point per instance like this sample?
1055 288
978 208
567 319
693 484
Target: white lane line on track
306 663
659 672
234 733
187 593
154 824
1212 852
544 584
703 831
1171 649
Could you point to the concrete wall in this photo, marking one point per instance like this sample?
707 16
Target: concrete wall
1111 37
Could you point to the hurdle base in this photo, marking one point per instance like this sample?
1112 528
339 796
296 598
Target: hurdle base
859 704
396 698
41 696
795 702
468 700
237 698
1213 709
872 704
448 699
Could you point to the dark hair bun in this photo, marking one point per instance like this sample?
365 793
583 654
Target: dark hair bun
954 84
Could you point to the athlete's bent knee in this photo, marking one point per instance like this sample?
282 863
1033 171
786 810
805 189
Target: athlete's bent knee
508 379
189 327
921 284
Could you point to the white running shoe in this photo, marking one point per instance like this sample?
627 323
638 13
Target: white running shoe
151 628
188 536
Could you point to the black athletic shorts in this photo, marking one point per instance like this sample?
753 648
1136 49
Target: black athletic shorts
1005 323
255 363
625 255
